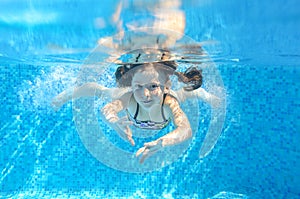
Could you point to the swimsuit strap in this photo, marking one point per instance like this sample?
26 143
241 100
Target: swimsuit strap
162 109
137 111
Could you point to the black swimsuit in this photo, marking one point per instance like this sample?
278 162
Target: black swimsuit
149 124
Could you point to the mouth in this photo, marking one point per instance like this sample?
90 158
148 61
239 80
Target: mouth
147 101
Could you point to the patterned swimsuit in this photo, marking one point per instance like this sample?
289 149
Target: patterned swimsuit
148 124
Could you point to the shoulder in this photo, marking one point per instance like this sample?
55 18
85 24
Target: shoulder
126 99
120 92
171 100
173 94
172 106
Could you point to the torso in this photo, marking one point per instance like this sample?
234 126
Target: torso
156 118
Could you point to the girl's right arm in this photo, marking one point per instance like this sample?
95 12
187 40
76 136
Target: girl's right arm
199 93
87 90
120 125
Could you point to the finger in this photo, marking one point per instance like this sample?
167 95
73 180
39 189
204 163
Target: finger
140 151
128 131
143 158
121 132
150 144
125 134
112 119
129 135
147 153
156 143
129 138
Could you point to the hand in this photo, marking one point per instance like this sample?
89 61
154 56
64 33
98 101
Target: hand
122 128
60 99
56 103
215 101
149 149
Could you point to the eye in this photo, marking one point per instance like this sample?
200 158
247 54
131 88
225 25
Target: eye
137 87
153 86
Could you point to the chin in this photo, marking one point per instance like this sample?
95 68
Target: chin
151 105
146 105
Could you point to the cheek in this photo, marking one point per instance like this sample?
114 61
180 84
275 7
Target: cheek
137 94
158 93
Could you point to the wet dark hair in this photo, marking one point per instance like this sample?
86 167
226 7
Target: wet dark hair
192 76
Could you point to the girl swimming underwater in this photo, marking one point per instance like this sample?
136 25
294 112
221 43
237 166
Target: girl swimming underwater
144 92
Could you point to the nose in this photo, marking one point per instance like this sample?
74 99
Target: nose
146 92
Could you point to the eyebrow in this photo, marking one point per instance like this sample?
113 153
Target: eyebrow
142 83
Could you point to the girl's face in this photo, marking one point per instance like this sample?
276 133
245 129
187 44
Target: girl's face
147 88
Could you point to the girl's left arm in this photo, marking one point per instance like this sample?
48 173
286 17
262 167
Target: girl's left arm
183 129
199 93
182 132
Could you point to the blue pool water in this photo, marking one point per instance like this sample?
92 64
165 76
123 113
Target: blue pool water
42 47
